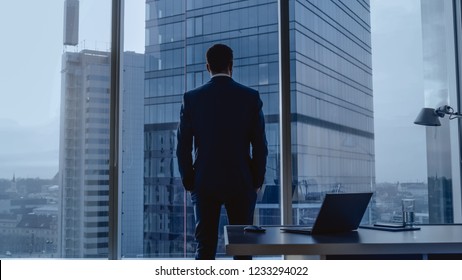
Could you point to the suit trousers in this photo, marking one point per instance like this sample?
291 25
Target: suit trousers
240 209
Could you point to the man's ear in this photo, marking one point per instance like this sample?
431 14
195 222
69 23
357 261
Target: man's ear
208 68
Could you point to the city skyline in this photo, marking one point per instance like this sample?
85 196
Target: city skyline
30 140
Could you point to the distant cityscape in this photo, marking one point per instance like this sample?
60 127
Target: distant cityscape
29 213
29 217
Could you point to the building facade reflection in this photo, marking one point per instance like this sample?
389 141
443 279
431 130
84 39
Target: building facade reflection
332 115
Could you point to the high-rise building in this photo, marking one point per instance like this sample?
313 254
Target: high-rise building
132 157
331 100
331 93
84 152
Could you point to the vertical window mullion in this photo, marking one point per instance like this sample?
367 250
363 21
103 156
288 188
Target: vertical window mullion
284 113
116 63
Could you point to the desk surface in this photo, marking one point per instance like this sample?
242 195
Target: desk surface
430 239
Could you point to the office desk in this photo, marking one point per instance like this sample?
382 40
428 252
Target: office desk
430 239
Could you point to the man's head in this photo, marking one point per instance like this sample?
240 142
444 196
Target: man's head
219 59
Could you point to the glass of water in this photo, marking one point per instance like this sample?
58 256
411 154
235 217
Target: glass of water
408 212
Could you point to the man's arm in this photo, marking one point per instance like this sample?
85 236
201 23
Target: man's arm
259 147
184 146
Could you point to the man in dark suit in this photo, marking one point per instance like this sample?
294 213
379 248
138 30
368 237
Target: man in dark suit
222 121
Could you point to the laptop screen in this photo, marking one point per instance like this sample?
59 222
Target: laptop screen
341 212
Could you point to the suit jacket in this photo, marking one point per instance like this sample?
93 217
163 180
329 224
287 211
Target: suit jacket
223 124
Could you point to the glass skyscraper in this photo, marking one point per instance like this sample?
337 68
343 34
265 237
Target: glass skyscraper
331 94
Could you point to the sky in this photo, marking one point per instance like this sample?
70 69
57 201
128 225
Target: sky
30 77
30 81
400 146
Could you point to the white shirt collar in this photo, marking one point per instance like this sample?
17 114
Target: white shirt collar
221 75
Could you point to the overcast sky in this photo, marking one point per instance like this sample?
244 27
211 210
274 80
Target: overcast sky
30 81
30 77
398 90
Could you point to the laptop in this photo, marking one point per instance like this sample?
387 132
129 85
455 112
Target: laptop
339 213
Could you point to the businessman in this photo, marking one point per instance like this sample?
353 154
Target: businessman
222 124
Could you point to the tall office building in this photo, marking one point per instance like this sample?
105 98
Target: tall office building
84 152
331 93
132 157
332 104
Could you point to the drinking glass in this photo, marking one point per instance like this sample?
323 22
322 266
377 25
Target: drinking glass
408 212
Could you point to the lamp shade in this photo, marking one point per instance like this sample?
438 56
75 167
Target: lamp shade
427 116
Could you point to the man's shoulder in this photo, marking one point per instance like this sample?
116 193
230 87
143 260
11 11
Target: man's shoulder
245 88
198 89
233 85
194 92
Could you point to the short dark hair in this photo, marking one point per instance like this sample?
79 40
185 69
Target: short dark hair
219 56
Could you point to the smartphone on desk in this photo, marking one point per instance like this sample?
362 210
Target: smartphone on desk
389 225
254 229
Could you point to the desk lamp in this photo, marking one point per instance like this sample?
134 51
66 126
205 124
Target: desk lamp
430 116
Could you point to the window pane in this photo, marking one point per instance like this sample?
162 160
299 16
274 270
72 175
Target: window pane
333 136
354 134
419 72
55 129
168 225
132 115
84 138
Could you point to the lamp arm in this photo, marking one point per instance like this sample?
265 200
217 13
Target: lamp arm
443 110
447 110
455 115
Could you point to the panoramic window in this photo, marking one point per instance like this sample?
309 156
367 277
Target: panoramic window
360 72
